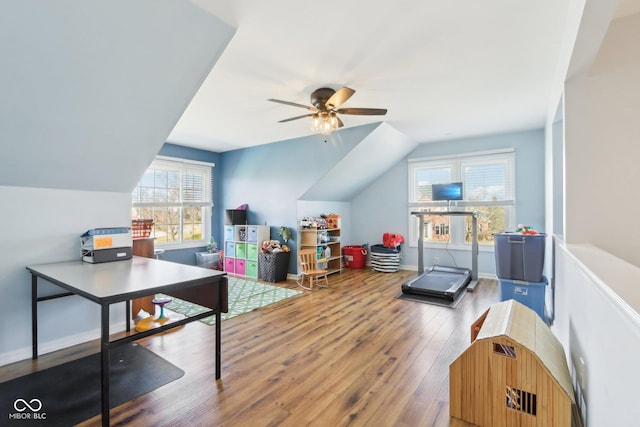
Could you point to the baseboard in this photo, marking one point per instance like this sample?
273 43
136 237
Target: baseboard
25 353
295 277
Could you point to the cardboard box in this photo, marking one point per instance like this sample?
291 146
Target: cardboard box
105 238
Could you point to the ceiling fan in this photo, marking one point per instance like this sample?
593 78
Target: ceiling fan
324 109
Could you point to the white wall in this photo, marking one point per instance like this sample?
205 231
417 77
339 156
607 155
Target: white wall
43 226
600 331
597 299
602 148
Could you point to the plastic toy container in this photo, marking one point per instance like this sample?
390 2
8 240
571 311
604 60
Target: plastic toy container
355 256
208 260
530 294
519 256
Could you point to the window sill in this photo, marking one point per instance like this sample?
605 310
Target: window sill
444 246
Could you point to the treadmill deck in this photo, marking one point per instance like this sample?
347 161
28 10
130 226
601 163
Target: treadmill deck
440 282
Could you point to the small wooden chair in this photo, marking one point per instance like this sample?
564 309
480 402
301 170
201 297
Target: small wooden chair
309 268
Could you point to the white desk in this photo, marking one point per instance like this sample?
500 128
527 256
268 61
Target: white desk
121 281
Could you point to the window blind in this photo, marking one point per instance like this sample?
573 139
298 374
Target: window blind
174 183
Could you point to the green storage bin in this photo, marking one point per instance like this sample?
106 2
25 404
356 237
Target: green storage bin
241 250
252 251
251 269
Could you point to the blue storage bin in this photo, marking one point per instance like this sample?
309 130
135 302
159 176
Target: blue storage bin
519 256
530 294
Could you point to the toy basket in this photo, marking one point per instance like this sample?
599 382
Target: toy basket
141 228
274 266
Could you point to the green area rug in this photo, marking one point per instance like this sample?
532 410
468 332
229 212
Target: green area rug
244 296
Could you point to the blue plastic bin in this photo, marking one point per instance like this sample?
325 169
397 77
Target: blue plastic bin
519 256
530 294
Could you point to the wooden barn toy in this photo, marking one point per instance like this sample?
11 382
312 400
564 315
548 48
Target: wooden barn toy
514 373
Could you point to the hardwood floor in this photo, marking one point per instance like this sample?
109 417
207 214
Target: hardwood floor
348 355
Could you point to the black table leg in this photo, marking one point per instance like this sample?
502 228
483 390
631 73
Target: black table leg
218 340
104 360
127 315
34 316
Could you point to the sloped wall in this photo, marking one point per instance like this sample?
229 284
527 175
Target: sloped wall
91 90
372 157
273 178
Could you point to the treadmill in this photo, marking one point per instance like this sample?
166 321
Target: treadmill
441 281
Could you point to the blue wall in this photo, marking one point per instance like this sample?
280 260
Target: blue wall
382 207
271 178
187 256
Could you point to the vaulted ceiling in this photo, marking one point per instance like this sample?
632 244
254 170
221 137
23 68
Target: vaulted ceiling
444 69
93 89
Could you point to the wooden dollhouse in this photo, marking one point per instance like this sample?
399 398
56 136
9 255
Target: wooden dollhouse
514 373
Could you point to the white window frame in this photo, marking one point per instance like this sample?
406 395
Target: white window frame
206 202
457 223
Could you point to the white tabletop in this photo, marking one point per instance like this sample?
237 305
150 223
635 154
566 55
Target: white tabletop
123 280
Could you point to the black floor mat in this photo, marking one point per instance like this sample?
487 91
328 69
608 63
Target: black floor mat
67 394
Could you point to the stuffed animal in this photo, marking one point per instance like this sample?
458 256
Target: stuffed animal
273 246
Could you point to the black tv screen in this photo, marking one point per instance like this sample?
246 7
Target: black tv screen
451 191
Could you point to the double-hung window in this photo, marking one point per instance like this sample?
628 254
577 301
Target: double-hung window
177 195
488 180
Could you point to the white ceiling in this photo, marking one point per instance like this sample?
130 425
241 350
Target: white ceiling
444 69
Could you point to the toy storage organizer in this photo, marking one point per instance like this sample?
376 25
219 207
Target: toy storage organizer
327 243
241 247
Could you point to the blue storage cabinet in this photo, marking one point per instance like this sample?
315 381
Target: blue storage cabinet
530 294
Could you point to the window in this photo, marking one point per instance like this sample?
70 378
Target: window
177 195
488 188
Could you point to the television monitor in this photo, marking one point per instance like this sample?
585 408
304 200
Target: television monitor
451 191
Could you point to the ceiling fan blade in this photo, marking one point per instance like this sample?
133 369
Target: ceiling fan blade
363 111
340 123
340 97
308 107
295 118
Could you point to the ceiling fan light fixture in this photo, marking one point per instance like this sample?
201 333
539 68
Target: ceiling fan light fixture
333 119
324 109
324 123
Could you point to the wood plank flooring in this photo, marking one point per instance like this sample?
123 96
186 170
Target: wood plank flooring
348 355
